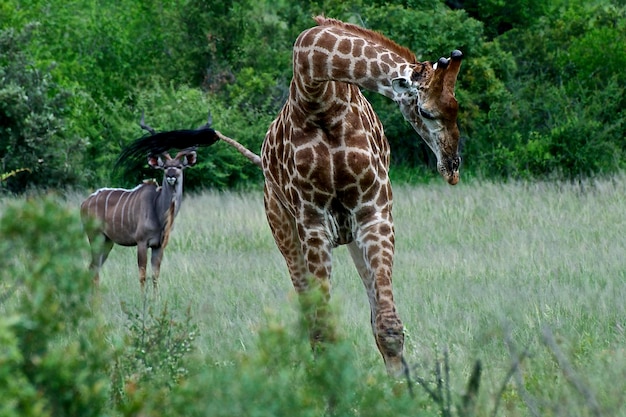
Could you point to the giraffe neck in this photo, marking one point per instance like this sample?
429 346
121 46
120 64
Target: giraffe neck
334 53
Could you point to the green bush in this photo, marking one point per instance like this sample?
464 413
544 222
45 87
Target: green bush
33 132
281 377
561 113
54 358
154 353
501 16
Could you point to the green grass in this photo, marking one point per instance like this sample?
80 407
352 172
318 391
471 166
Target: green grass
481 270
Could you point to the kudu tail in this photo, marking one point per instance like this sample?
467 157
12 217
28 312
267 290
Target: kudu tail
254 158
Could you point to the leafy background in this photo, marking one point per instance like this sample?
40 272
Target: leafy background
541 88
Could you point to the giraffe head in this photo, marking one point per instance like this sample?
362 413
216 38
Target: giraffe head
425 93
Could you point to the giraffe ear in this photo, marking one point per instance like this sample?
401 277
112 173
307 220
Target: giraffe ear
403 85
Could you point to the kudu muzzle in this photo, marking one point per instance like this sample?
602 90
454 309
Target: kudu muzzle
172 175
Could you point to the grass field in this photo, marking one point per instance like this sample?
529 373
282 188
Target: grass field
483 271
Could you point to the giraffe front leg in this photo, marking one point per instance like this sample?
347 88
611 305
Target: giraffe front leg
373 253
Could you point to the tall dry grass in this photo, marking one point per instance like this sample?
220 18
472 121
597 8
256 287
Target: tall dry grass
485 271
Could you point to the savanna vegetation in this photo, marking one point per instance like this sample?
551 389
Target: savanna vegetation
525 277
519 269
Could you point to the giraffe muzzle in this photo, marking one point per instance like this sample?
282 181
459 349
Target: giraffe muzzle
449 169
453 178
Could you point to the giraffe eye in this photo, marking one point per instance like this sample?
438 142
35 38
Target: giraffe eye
425 114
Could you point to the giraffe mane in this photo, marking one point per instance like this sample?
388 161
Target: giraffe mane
377 37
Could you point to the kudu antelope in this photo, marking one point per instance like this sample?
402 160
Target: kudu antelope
144 215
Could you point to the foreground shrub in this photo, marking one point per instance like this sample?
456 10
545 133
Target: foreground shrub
54 358
154 352
283 378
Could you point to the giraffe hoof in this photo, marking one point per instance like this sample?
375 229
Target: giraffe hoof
396 366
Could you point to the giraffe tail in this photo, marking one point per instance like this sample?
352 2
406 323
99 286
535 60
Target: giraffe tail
254 158
161 142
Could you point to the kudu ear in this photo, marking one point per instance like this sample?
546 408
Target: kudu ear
155 161
187 157
190 159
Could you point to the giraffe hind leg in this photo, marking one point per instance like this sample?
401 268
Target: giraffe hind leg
317 255
310 282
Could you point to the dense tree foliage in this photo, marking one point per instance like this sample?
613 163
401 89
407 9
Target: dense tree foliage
541 89
33 132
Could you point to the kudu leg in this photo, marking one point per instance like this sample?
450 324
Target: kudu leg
142 261
157 256
99 253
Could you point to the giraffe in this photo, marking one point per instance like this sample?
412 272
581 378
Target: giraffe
325 160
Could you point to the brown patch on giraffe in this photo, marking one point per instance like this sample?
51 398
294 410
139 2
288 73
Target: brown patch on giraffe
314 257
385 230
305 160
350 196
366 181
357 162
384 67
371 192
358 46
344 46
385 283
419 70
339 61
382 198
360 66
370 54
372 250
375 263
319 62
